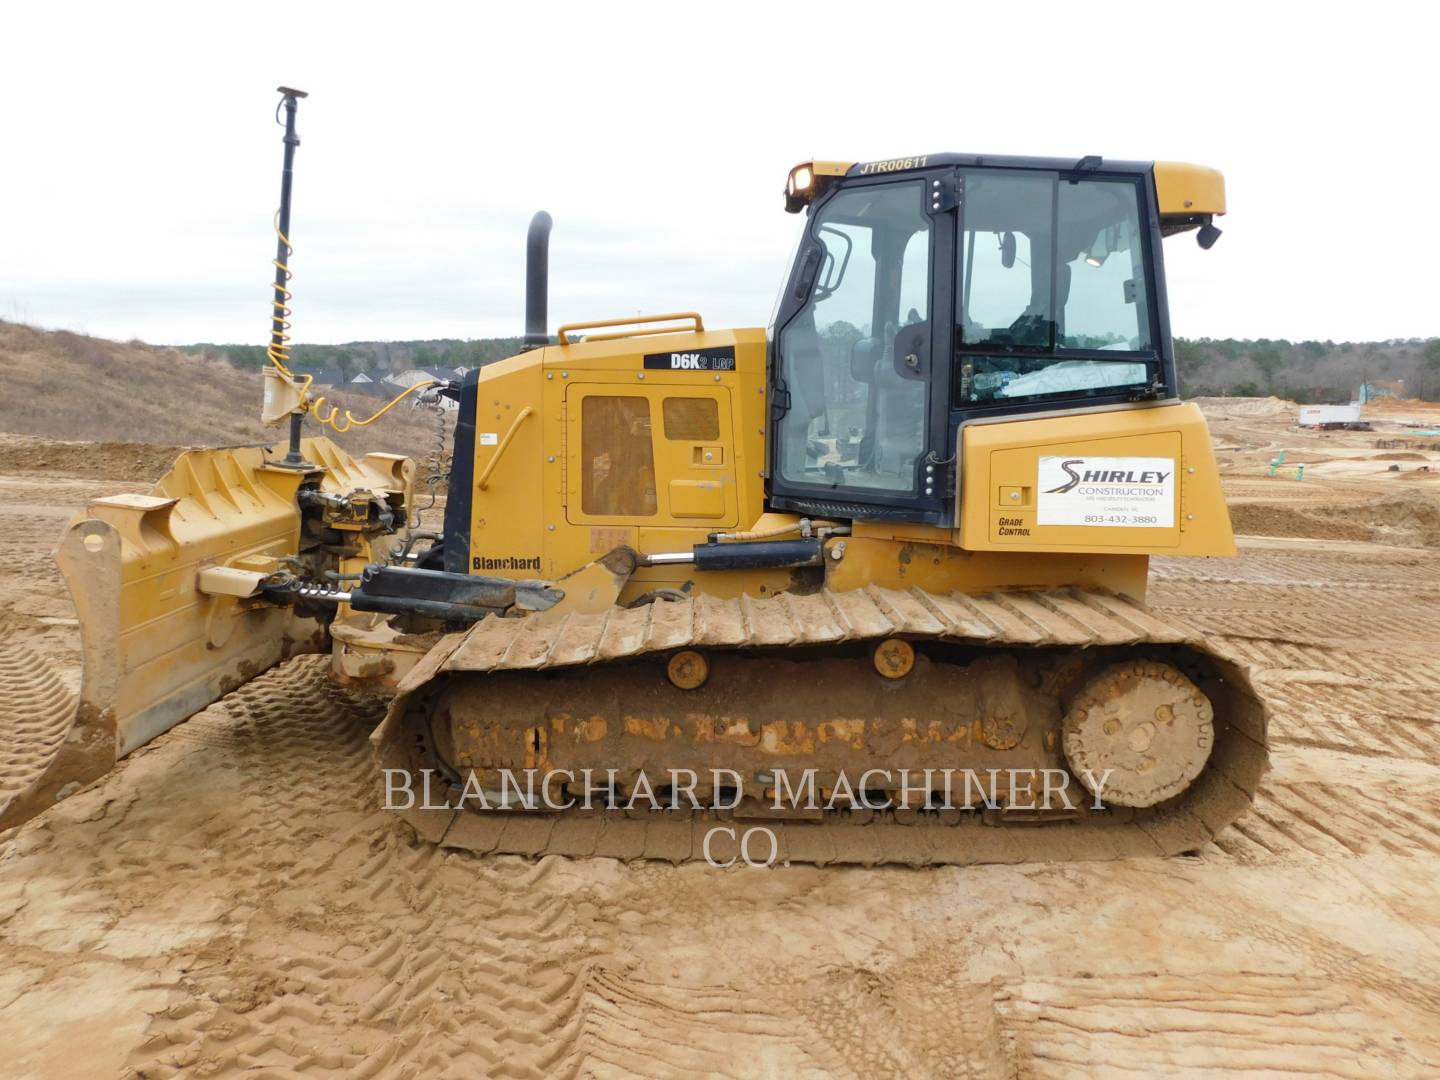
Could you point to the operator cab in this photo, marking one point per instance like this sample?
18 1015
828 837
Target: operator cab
931 292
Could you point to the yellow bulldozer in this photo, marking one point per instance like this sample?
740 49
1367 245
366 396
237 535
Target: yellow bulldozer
871 579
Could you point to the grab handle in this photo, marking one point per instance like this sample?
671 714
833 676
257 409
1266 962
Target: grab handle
694 316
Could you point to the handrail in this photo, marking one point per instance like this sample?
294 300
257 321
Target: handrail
484 480
570 328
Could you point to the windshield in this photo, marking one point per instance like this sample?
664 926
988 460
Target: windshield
855 360
1052 264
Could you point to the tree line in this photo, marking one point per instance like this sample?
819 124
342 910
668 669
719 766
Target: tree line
1310 372
1303 371
357 356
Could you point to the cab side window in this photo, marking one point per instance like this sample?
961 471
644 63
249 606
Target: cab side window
1053 296
1005 279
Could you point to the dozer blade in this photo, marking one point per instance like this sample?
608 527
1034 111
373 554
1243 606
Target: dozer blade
1013 679
157 647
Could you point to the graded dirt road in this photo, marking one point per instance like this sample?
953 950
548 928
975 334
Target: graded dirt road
228 901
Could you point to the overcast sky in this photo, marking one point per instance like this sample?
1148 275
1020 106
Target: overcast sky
142 164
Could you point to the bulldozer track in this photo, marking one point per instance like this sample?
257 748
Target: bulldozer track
1069 618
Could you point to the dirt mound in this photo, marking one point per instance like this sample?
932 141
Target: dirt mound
1400 521
1388 405
1303 457
1267 519
1246 407
1401 455
105 461
1410 521
61 385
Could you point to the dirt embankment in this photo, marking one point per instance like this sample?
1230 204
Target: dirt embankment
65 386
1249 408
141 462
1399 521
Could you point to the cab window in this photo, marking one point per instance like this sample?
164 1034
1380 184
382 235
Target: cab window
1006 248
1053 272
1105 305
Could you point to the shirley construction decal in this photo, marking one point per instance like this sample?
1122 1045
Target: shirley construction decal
1106 492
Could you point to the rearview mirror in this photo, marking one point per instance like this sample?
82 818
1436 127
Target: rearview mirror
1007 250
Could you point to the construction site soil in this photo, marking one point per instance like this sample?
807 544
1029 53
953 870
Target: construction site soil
230 900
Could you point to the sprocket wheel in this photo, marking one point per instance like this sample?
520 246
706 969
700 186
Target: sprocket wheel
1146 723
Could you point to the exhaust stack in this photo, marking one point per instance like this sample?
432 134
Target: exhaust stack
537 281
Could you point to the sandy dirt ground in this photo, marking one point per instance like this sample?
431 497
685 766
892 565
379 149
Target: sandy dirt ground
229 901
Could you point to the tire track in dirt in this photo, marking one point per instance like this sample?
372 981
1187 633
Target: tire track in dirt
1318 666
1355 718
1399 632
36 711
1321 568
1219 597
369 953
380 955
316 935
1199 1025
637 1027
796 972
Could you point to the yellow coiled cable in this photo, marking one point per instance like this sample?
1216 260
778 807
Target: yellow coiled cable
279 351
349 421
279 355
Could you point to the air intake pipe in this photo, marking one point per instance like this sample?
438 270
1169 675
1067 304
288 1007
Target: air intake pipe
537 281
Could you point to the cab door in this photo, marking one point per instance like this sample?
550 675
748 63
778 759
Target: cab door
862 339
658 455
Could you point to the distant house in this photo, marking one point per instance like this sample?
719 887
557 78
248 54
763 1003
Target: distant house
384 385
415 376
320 378
1375 389
370 389
411 376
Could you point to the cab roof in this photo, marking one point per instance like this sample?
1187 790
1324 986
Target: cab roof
1183 191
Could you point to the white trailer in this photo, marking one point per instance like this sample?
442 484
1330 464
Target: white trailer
1329 416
